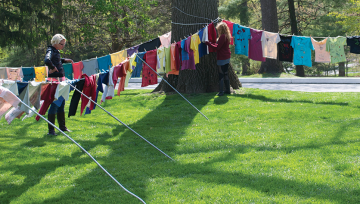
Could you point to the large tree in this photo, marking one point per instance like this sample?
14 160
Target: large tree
205 77
270 24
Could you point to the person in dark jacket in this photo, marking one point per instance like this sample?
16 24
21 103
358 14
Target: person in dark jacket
223 55
56 73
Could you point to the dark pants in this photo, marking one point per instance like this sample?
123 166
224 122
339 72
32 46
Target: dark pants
223 72
56 109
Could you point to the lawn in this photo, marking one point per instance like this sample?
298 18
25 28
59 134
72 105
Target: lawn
259 146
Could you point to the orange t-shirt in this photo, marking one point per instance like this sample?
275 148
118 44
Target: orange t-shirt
173 62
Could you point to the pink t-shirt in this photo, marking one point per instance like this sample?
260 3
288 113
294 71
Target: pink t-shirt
321 55
255 46
7 99
14 73
165 39
77 69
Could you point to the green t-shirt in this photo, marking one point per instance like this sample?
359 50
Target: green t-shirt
336 48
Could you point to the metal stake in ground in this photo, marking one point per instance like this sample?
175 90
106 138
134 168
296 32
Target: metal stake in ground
172 87
85 152
121 122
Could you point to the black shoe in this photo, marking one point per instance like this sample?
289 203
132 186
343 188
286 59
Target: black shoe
220 94
61 121
52 132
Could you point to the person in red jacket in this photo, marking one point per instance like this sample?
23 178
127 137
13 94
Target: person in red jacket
223 55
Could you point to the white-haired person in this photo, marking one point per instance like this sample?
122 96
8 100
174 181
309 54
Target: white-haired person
56 71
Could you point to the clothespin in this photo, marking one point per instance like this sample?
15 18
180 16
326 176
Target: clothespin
145 49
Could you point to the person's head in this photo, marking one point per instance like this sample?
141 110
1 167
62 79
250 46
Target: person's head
58 41
223 29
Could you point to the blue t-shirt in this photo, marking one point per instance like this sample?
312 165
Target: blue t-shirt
184 54
137 71
29 73
241 36
202 47
104 63
302 50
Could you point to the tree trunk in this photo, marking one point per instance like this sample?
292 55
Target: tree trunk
58 17
342 69
294 30
244 20
270 23
205 78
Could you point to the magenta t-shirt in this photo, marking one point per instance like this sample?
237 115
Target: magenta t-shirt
188 64
255 47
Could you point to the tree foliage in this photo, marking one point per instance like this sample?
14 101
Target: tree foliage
349 17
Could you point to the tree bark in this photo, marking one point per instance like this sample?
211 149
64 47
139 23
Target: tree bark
270 23
205 78
342 69
58 17
294 30
244 20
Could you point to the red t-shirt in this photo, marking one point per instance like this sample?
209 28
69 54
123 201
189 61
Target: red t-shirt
77 69
149 77
230 26
212 36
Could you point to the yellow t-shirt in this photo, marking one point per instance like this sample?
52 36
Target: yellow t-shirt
195 42
117 58
40 74
161 60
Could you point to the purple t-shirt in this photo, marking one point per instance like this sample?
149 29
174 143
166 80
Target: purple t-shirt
132 50
188 64
255 47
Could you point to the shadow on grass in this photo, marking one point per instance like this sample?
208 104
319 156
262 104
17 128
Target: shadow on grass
137 162
266 99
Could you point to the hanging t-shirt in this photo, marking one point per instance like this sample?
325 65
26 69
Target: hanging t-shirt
184 54
161 60
302 50
29 73
212 36
132 50
255 46
178 55
149 77
74 103
167 59
190 63
194 46
125 67
40 74
165 39
285 51
231 27
11 85
48 97
14 73
77 69
117 58
139 64
242 36
104 63
63 89
31 96
68 70
354 43
269 43
173 60
336 48
3 74
205 37
203 48
91 67
7 100
321 55
150 45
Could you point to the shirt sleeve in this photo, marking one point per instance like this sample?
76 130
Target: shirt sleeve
293 39
47 60
277 39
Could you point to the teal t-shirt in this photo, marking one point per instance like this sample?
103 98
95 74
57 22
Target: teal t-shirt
68 69
302 50
241 36
336 48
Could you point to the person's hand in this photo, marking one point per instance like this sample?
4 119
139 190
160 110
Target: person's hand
69 60
53 70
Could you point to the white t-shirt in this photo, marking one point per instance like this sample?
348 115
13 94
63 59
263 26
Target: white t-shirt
269 43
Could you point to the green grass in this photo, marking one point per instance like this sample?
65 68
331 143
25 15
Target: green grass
259 146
